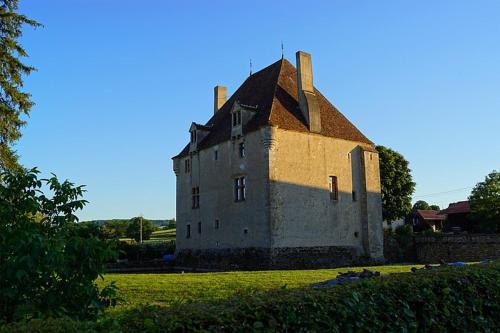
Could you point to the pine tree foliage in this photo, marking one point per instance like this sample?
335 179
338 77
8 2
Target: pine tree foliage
15 104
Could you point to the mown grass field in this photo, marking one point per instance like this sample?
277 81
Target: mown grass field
165 235
169 289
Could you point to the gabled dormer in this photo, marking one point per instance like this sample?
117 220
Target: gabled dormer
241 114
197 134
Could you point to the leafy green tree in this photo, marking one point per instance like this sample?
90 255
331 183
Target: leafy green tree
421 204
485 203
434 207
115 228
397 184
134 227
48 263
14 102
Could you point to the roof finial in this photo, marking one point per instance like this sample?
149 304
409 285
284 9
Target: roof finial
282 51
250 66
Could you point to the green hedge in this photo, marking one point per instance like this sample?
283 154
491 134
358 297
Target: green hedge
447 300
147 251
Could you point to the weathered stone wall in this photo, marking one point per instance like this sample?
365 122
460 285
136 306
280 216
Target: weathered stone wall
302 212
241 224
467 247
265 258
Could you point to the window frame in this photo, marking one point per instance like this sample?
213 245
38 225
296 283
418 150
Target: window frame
195 197
333 187
241 149
240 188
236 118
188 230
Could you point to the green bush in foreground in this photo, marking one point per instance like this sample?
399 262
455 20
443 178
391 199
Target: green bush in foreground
447 300
48 262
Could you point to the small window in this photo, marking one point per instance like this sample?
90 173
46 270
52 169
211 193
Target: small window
356 234
199 227
216 155
195 194
187 166
241 148
217 224
354 196
193 136
245 231
188 231
334 189
239 189
236 118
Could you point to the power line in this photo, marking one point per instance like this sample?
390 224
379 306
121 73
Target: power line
438 193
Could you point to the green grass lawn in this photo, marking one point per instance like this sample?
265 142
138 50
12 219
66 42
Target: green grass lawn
168 289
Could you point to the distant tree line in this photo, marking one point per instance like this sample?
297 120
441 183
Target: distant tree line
123 228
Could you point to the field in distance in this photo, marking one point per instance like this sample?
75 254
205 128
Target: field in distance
169 289
165 235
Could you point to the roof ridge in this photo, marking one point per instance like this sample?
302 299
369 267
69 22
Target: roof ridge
275 88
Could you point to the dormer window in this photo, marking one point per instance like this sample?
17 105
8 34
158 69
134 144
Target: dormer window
197 133
236 118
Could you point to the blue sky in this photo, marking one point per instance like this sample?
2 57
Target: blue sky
120 81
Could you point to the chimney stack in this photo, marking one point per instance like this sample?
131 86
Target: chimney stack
307 98
220 95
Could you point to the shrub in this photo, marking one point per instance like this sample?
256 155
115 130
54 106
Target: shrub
145 252
399 245
465 299
48 262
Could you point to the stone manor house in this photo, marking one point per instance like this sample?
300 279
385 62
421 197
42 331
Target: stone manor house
277 177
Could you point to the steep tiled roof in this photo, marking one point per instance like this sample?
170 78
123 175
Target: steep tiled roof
274 91
457 208
430 214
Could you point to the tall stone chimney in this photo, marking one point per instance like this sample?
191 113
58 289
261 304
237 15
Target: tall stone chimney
307 98
220 95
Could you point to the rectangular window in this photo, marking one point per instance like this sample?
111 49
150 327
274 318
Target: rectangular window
199 227
334 189
193 136
217 224
236 118
195 194
216 155
241 149
187 166
354 197
188 231
240 189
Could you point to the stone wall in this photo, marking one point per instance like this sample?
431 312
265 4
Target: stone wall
276 258
467 247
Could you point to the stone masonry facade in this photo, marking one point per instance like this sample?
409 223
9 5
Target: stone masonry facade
277 178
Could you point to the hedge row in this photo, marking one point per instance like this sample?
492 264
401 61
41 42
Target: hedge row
145 252
463 299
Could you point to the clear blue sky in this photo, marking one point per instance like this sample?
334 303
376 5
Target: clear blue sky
120 81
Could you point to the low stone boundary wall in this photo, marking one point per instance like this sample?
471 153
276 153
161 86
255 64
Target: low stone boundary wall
466 247
265 258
